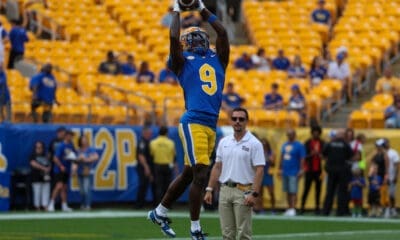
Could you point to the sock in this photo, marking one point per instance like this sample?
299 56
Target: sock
161 210
195 226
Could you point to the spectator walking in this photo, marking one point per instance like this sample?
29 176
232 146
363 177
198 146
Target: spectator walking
18 37
65 154
40 176
239 169
145 168
338 154
83 168
356 186
375 184
393 171
44 87
111 65
162 149
268 178
231 99
129 68
281 62
5 98
273 100
291 168
313 167
260 61
144 75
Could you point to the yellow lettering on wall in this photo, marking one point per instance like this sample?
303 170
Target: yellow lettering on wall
3 161
104 178
126 155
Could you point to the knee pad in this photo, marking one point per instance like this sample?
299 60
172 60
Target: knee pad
200 175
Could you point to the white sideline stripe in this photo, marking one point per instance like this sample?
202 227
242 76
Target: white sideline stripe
311 234
143 214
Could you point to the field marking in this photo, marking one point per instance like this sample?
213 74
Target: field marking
143 214
307 234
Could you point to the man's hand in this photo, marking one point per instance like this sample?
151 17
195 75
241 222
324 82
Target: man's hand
208 197
300 173
249 200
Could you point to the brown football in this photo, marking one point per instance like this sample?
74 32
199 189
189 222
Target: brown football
188 5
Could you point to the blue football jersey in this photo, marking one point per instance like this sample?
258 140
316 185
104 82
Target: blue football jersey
202 79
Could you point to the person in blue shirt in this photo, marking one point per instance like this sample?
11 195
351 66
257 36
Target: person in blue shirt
166 75
231 99
356 186
144 75
111 65
317 71
297 103
18 37
291 165
392 114
321 15
201 74
374 196
281 62
65 154
43 86
273 100
83 167
296 70
5 99
129 67
244 62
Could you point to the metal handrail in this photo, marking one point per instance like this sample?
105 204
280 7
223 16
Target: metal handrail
53 32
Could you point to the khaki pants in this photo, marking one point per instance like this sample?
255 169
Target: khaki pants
235 217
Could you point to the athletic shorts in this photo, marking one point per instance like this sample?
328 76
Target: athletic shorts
289 184
268 180
198 142
61 177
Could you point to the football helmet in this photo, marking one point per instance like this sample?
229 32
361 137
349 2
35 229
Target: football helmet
195 39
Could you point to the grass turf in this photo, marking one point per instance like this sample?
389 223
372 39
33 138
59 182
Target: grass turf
137 227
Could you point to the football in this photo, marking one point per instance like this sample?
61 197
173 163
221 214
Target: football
188 5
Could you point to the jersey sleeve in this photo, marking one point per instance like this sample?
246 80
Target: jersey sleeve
257 155
218 156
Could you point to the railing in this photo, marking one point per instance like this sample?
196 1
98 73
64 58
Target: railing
37 24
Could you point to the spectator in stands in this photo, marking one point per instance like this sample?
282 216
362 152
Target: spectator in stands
291 169
268 179
281 62
162 149
321 15
40 176
167 18
191 20
392 114
296 70
65 154
313 167
273 100
129 67
5 99
244 62
145 168
83 168
386 84
3 40
144 74
297 102
338 154
44 87
110 65
340 70
317 72
166 75
233 8
374 196
393 171
18 38
260 61
231 99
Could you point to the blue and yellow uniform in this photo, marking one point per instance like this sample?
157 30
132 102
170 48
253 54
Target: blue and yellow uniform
202 79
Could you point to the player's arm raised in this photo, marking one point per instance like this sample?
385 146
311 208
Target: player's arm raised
176 53
222 43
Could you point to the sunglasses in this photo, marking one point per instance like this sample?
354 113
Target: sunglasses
241 119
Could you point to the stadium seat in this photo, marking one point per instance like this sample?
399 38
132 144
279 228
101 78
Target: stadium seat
360 119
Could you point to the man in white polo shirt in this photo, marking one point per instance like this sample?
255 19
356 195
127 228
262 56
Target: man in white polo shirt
239 168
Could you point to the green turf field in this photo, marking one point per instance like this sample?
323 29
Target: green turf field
128 224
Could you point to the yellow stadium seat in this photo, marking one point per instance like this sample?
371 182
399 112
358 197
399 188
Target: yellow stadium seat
360 119
377 119
264 118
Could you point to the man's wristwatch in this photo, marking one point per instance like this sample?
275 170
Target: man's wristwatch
255 194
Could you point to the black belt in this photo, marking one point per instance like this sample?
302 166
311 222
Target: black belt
234 184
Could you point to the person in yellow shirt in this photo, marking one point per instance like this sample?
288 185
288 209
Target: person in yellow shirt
387 83
162 149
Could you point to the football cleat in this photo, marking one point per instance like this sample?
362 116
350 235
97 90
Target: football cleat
163 222
198 235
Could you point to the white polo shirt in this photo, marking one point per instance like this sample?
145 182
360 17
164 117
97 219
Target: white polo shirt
393 160
239 159
337 71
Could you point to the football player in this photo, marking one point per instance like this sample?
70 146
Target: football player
201 74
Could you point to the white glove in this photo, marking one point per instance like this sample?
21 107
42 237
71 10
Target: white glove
201 5
176 7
